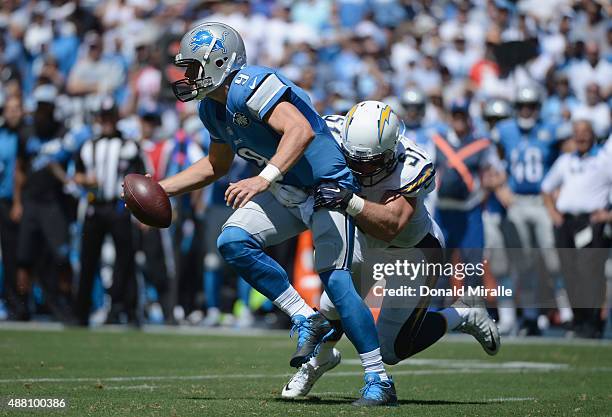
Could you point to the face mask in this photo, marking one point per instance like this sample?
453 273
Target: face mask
526 123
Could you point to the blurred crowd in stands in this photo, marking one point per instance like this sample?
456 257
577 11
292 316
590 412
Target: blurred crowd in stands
75 72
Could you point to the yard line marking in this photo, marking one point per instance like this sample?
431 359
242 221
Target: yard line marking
228 331
509 399
132 387
258 376
472 363
489 400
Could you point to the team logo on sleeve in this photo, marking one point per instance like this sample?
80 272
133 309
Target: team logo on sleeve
204 38
241 119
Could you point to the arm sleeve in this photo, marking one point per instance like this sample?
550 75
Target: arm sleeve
265 96
212 131
421 184
554 178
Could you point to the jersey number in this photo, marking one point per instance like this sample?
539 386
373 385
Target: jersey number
530 168
251 155
415 156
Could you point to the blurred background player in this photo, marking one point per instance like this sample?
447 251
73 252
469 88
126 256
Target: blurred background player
463 159
100 167
529 145
12 141
216 214
180 152
44 245
498 231
156 244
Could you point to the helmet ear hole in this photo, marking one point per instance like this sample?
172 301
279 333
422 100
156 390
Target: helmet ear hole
219 63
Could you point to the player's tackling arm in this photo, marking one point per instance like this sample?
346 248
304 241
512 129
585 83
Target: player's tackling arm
387 219
206 171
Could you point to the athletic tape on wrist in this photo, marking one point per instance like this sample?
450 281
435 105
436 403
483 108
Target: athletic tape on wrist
271 173
355 205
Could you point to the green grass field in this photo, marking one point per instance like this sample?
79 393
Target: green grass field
130 373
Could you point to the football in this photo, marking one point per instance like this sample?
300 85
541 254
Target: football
147 200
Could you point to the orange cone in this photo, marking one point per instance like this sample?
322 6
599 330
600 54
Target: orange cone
305 279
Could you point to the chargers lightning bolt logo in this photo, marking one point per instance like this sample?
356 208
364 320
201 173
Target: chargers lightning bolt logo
384 120
349 119
204 38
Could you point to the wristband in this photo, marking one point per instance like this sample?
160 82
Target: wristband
271 173
355 205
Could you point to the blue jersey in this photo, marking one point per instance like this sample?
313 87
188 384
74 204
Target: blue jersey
253 93
10 147
529 154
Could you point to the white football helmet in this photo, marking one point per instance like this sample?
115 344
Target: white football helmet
209 52
369 141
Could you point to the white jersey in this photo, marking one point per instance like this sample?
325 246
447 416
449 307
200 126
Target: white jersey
413 176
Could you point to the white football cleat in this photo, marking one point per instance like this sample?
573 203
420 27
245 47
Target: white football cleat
479 324
302 382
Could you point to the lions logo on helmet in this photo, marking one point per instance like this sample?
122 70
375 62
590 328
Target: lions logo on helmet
204 38
209 52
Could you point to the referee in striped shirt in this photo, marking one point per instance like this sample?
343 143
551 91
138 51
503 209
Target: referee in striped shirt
101 165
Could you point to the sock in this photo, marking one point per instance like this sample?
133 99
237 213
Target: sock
454 316
325 354
372 362
213 311
292 304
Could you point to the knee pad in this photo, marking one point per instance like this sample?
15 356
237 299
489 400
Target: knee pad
234 243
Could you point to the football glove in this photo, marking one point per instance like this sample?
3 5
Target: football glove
331 196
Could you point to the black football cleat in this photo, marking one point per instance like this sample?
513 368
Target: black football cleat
312 333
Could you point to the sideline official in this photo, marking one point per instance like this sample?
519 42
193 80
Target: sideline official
101 166
581 215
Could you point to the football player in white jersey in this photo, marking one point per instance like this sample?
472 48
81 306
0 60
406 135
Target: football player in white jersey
395 175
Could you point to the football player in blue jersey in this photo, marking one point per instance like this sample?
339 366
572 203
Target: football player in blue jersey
530 145
497 229
261 116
